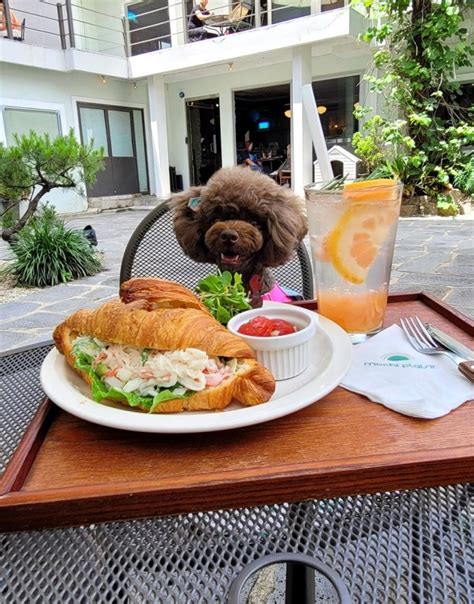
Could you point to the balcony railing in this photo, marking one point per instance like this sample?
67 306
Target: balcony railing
147 26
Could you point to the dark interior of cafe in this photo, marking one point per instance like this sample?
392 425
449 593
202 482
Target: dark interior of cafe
263 116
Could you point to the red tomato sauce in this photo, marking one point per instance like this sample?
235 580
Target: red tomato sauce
264 327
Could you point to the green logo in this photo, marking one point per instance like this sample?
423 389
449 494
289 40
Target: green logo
396 357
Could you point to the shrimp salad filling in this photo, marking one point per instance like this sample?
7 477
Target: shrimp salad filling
146 377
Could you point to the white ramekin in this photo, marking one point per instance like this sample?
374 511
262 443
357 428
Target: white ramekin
285 356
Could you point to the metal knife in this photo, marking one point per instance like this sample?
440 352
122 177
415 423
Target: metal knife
450 343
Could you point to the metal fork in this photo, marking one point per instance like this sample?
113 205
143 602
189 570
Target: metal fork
421 341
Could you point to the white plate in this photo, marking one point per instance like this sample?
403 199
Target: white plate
331 357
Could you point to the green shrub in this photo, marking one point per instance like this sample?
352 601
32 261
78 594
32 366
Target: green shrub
464 180
446 206
47 252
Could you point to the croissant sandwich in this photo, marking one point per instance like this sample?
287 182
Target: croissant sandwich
162 360
159 293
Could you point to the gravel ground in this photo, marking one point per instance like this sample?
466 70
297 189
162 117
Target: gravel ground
8 291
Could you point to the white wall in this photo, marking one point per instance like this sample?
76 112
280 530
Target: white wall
23 86
223 85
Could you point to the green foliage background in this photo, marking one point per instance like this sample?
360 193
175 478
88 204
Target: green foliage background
419 47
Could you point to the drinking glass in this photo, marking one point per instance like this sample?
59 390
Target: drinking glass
352 234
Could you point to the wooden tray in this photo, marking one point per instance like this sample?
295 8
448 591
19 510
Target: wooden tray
67 471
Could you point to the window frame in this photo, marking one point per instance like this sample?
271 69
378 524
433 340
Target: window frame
20 104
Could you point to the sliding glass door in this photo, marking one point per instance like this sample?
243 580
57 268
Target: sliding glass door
120 132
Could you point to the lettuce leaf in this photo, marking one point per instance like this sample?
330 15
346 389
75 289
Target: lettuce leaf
166 395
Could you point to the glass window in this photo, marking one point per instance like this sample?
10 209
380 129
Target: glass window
140 149
21 121
285 10
120 133
336 99
149 26
331 5
93 128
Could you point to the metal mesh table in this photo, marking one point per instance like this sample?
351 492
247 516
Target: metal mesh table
400 547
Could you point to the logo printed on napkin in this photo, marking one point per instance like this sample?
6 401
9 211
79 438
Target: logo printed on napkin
398 360
405 380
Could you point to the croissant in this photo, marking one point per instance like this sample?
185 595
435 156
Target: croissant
160 293
136 328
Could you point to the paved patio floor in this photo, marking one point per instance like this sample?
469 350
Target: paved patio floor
434 255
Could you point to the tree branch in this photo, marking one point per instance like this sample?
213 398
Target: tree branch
9 234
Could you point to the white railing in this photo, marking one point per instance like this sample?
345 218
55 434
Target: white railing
70 23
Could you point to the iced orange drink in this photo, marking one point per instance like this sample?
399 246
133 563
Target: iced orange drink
352 233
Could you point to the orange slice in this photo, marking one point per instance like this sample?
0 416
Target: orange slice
354 243
379 189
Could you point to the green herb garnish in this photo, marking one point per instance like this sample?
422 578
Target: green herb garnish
224 295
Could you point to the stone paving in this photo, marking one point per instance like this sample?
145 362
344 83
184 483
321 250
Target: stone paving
434 255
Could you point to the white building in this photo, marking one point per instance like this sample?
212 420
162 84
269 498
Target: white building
125 74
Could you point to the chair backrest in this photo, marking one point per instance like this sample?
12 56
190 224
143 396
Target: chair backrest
239 12
153 251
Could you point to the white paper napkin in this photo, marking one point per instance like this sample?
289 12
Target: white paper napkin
389 371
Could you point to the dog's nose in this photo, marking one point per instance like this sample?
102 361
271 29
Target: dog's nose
229 235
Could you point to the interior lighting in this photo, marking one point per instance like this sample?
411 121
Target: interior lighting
231 66
103 78
321 109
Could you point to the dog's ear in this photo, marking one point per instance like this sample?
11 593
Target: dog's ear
287 225
186 223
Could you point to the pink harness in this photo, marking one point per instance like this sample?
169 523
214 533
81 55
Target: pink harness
276 294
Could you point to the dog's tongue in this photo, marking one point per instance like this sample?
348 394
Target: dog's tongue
228 259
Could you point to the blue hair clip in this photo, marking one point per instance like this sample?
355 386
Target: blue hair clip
194 203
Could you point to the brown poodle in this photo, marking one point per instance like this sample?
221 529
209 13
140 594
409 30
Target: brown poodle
243 222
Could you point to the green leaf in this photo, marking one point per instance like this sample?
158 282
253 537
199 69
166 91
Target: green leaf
166 395
223 315
223 294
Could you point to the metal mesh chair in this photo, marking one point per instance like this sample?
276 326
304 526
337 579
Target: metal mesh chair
153 251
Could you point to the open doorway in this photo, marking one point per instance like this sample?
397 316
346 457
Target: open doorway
260 118
204 139
263 115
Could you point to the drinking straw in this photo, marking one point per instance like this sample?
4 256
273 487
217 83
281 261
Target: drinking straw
316 130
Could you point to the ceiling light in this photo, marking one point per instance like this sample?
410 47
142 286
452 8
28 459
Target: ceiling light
321 109
102 77
231 66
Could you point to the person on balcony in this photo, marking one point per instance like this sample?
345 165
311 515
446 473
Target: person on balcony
197 19
16 25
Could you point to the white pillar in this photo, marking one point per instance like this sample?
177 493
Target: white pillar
159 136
227 121
301 146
